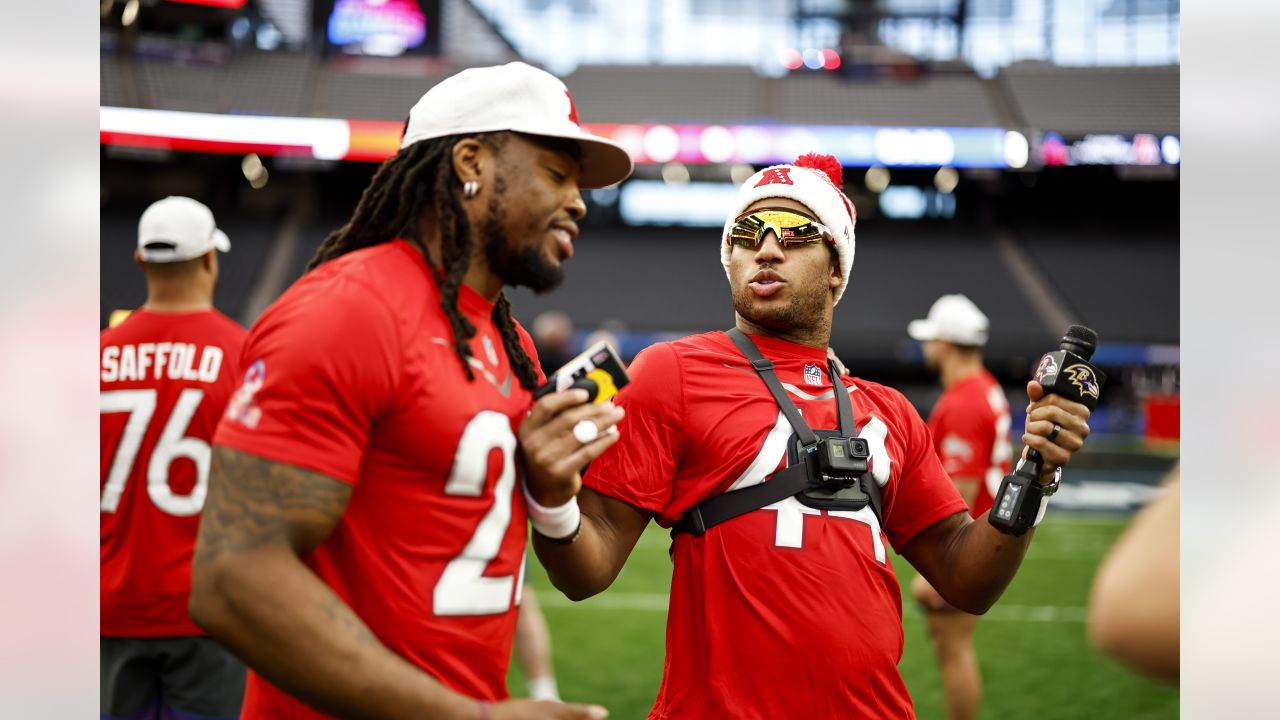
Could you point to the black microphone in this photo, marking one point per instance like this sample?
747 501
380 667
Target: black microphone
1067 372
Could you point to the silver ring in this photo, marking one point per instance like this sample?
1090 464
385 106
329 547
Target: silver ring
586 431
1053 434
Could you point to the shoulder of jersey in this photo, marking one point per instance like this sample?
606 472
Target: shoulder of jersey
365 272
701 342
229 324
880 394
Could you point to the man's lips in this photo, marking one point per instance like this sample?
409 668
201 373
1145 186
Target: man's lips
564 240
565 234
765 283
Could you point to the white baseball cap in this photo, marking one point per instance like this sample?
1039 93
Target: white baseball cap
515 97
176 229
953 318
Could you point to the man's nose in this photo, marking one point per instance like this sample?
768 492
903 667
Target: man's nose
576 206
770 249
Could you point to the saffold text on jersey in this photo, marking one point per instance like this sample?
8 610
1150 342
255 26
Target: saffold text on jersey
175 361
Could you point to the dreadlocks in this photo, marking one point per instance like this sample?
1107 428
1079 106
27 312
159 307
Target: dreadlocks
390 208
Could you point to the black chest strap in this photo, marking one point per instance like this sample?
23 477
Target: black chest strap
788 481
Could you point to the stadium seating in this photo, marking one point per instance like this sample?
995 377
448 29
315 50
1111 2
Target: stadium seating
1096 269
954 100
627 94
363 96
258 83
113 83
1072 101
1095 100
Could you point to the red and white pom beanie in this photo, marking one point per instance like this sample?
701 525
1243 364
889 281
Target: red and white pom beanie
814 180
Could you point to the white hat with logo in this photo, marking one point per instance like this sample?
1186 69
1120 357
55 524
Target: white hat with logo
520 98
953 318
176 229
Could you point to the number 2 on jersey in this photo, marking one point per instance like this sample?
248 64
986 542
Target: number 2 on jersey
463 589
141 405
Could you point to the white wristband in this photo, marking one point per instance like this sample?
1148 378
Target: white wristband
1044 505
556 523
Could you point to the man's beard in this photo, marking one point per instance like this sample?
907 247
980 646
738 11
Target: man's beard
527 265
803 310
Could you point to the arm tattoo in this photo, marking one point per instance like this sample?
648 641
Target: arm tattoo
255 503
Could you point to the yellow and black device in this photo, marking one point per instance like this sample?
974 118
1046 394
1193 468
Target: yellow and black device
598 370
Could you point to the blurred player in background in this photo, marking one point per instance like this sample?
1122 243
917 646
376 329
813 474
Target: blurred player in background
167 372
553 337
533 648
552 332
364 537
970 427
786 610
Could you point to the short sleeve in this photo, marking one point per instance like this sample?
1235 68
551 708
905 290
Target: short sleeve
320 368
924 494
641 467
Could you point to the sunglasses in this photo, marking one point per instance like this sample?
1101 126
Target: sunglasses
790 227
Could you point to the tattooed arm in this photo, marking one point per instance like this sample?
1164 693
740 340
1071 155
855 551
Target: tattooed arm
250 591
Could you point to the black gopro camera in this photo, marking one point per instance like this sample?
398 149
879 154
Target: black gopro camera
835 466
841 461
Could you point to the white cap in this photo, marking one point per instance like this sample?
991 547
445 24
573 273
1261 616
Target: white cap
176 229
515 97
953 318
813 180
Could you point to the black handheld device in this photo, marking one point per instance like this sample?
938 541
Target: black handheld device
598 370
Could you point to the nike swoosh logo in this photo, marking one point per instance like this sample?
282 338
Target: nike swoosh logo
503 387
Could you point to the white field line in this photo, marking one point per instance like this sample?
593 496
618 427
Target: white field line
657 602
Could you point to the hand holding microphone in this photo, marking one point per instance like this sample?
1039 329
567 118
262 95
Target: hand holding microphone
1068 374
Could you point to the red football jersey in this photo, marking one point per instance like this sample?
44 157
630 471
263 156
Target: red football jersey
352 373
970 427
165 379
786 611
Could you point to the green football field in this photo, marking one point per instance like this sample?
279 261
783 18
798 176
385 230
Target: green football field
1036 662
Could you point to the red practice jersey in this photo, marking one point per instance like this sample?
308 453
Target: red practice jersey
786 611
970 427
165 380
352 373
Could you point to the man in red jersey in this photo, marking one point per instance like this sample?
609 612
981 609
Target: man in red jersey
970 427
167 372
364 537
785 610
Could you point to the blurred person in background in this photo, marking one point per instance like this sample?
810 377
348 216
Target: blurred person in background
533 647
553 337
786 610
362 544
610 331
1134 606
167 372
970 428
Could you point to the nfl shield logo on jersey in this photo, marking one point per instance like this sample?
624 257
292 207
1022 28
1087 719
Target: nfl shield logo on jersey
812 374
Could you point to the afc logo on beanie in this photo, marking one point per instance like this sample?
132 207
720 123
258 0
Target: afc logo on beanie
775 176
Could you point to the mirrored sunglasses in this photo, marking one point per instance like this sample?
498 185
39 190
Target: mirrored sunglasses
790 227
